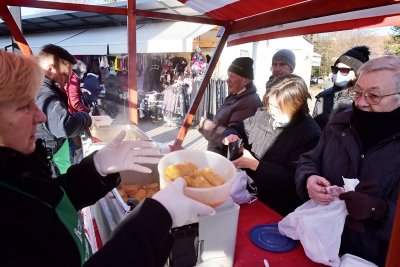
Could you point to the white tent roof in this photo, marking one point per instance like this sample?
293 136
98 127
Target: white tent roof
151 38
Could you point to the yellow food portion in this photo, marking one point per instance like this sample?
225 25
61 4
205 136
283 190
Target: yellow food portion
194 177
137 191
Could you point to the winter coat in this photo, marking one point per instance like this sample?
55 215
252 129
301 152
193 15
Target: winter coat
60 124
327 101
278 150
33 235
74 94
338 154
234 109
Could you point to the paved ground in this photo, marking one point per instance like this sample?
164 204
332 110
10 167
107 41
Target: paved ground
159 132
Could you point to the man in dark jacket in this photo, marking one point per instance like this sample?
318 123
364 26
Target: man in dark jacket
241 103
361 141
60 124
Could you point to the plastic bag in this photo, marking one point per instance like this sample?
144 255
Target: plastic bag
239 192
349 260
319 229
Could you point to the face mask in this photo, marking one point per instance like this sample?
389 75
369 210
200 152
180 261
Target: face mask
281 118
340 80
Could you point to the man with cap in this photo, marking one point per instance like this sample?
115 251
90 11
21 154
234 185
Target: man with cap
344 76
283 62
52 100
241 103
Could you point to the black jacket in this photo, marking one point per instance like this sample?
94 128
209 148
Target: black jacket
327 101
339 153
32 234
60 124
278 150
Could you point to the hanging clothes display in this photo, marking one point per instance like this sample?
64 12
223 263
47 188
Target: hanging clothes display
213 97
151 81
176 103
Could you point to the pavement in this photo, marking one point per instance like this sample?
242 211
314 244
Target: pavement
160 132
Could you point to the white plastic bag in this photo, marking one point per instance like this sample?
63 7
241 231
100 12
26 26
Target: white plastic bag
349 260
319 229
239 192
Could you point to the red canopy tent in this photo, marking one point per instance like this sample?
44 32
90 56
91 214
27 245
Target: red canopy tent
243 21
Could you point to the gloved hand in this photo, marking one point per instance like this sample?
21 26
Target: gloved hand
362 206
121 155
180 207
164 148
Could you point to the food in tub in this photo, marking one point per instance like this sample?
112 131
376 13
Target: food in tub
137 191
194 177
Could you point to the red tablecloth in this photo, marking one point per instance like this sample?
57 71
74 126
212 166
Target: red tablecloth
247 254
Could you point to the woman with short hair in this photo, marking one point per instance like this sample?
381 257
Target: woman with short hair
274 138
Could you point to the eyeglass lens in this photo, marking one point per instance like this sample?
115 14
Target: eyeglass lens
343 71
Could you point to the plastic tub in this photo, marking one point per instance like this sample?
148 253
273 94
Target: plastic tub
213 196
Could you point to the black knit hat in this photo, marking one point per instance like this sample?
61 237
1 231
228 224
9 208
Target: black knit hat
354 57
59 52
242 66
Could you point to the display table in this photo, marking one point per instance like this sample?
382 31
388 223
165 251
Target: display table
247 254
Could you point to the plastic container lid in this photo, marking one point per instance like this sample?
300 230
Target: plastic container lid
268 237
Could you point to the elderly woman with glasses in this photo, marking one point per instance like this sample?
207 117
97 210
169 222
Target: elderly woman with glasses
274 138
361 141
344 76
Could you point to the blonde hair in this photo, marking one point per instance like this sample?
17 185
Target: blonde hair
20 77
291 94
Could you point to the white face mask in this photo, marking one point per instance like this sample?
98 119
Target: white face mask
340 80
281 118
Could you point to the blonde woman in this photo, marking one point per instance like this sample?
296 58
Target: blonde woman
274 138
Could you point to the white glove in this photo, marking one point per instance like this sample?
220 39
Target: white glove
164 148
181 208
121 155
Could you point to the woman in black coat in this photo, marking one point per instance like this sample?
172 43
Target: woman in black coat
40 225
274 138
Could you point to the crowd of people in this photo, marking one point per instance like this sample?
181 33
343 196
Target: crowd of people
290 155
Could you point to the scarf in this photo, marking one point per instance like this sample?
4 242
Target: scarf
374 127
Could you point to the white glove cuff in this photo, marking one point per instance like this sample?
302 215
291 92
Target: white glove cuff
97 165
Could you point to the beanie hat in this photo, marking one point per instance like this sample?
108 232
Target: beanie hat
354 57
286 56
242 66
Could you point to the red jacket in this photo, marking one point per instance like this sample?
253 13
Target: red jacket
73 91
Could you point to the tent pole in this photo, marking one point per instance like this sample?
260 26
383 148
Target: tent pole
196 101
5 14
132 73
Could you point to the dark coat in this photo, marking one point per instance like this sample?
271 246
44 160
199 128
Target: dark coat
60 124
33 235
278 150
327 101
338 154
235 109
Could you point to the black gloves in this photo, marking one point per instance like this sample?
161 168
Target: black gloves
361 205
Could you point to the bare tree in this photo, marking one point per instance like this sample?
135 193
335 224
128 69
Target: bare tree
331 45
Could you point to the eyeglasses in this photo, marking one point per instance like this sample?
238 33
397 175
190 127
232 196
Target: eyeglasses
371 98
343 71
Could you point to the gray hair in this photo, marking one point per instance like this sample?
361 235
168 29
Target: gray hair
79 69
389 63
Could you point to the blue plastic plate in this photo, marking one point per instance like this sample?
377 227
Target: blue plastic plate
267 237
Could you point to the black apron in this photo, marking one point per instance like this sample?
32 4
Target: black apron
68 215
